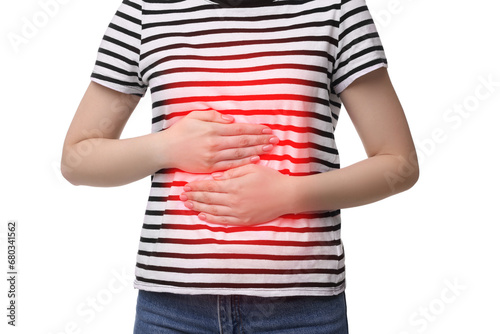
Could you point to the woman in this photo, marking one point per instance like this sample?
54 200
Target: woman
242 227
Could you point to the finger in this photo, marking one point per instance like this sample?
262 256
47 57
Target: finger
234 172
192 198
238 129
242 141
220 220
214 210
203 186
241 152
230 164
211 116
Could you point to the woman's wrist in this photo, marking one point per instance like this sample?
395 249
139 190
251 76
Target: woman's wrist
163 150
292 195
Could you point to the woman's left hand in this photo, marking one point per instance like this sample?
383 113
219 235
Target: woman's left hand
247 195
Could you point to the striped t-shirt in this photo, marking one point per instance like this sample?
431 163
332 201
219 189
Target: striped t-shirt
281 63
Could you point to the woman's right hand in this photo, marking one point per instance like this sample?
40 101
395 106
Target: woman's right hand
201 142
208 141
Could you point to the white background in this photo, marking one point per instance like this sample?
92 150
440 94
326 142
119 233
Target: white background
425 261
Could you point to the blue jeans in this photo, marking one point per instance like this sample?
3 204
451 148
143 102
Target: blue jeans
166 313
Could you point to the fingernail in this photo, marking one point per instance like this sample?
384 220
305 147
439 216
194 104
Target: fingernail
267 148
274 140
188 205
227 117
255 159
202 216
187 188
183 197
267 131
217 175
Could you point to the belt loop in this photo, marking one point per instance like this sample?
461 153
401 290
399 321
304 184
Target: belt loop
218 315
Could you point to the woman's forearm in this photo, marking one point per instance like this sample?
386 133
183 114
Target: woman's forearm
111 162
365 182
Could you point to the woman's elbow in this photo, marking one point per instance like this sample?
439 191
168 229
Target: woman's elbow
410 170
413 178
69 166
403 174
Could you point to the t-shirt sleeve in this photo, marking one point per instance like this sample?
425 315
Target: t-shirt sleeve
359 49
117 64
